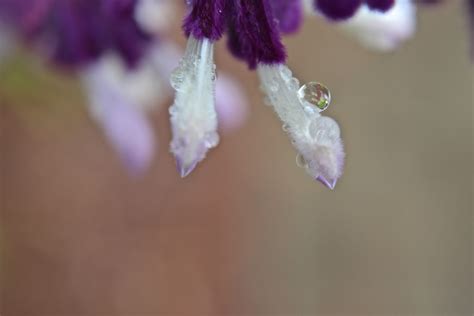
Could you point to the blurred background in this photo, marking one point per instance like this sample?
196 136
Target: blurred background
248 232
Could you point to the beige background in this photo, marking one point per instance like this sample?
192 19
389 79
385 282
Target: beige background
248 233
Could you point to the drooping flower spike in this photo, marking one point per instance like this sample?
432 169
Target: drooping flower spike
253 29
112 45
102 43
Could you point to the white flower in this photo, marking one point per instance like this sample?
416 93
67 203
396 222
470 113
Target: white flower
382 31
315 137
193 114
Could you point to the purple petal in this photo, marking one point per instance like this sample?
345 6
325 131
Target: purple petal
253 33
380 5
338 9
131 135
331 183
124 123
289 14
206 19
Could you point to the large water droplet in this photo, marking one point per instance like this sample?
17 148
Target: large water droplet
273 85
176 78
211 140
315 94
300 161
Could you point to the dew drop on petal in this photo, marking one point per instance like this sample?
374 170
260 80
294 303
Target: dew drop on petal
212 140
300 161
315 94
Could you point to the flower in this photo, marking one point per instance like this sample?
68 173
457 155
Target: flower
102 43
382 31
122 57
113 46
254 35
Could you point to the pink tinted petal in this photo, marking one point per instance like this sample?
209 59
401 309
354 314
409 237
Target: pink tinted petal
231 103
130 133
124 124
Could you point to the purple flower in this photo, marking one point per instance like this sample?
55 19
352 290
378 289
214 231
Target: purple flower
77 32
254 35
344 9
113 105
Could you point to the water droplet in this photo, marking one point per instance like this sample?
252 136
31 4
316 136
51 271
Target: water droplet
273 85
211 140
300 161
286 73
316 95
294 84
172 110
324 128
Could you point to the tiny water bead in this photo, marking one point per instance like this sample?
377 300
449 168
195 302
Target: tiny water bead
316 95
211 140
300 161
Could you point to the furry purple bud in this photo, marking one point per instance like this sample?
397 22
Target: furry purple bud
206 19
289 14
253 33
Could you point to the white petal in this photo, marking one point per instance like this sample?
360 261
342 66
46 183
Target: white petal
155 16
231 103
143 86
383 31
124 123
316 138
193 114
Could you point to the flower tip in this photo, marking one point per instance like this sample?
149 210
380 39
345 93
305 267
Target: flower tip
329 183
185 169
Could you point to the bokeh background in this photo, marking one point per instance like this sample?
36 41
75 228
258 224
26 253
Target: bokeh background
249 233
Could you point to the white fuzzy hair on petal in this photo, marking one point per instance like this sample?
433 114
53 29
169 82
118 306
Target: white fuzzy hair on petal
193 114
315 137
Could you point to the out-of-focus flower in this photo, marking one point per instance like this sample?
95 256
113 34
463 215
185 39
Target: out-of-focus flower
75 33
231 103
101 41
344 9
253 29
383 31
115 105
155 16
114 45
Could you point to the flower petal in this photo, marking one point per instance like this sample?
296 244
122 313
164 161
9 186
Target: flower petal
193 114
316 138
